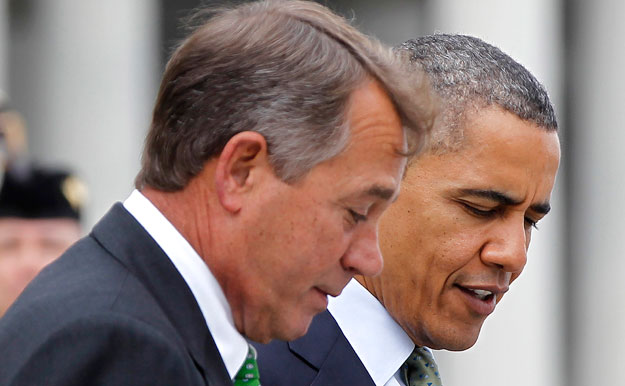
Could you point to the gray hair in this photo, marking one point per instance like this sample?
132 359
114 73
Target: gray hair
467 73
285 69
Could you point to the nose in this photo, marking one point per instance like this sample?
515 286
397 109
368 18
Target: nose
31 261
363 257
507 248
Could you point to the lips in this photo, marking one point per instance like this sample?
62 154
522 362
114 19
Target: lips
321 299
481 299
322 294
480 294
330 292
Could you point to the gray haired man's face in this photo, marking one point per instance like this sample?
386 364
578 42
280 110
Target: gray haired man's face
306 240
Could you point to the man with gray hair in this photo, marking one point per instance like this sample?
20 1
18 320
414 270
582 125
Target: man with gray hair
455 239
279 136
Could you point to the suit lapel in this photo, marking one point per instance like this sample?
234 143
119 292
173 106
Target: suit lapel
325 348
127 241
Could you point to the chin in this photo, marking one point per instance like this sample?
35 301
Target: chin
457 342
459 346
451 337
294 331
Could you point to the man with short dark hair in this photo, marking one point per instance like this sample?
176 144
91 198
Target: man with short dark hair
279 136
455 239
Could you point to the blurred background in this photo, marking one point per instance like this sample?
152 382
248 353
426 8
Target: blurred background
84 74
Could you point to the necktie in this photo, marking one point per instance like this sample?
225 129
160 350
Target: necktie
420 369
248 374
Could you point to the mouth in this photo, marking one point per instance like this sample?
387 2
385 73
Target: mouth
481 300
484 295
329 292
321 296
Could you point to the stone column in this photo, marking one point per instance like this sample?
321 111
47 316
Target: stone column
84 73
596 211
4 45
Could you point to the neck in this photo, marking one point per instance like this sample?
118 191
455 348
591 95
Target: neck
185 210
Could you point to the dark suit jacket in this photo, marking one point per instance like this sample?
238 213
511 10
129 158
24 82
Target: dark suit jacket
113 310
323 357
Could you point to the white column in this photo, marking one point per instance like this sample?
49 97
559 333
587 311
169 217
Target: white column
521 343
597 209
4 45
86 74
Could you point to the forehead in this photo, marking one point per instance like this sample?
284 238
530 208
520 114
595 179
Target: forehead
498 151
372 159
26 228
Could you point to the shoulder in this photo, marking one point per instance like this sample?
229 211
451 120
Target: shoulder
103 348
87 316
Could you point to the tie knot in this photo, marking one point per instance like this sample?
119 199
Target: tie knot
420 369
248 374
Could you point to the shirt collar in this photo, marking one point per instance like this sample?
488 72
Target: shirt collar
380 343
232 346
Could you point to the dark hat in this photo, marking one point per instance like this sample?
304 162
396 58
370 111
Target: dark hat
41 193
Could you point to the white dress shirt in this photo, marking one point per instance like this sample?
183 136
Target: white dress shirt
231 344
380 343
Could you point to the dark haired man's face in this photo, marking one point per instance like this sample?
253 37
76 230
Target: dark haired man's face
26 246
457 236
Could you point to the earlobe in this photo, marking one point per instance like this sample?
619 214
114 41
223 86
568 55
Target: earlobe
236 168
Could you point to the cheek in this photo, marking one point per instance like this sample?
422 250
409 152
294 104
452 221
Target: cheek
399 231
331 243
316 240
9 268
453 252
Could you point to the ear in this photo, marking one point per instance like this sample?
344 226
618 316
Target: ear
236 172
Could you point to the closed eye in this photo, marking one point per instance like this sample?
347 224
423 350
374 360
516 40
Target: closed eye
492 212
479 212
357 217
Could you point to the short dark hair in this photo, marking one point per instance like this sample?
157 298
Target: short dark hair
465 72
285 69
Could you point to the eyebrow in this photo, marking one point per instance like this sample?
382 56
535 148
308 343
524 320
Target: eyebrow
503 199
380 192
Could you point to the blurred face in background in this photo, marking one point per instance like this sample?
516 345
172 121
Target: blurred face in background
26 246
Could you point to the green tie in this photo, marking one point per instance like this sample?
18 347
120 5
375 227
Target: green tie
248 374
420 369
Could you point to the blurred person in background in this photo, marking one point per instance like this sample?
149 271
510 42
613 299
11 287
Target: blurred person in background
39 209
455 239
279 137
39 219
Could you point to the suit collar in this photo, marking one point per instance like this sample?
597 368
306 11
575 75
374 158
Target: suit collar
128 242
204 286
326 349
358 313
